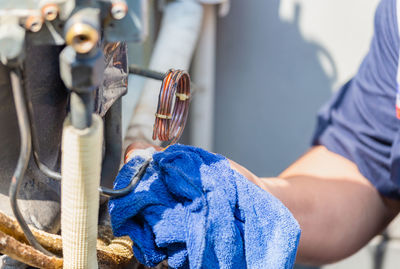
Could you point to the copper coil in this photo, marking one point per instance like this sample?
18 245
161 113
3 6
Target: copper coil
173 106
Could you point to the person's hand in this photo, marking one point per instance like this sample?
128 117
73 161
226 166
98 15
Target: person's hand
140 147
246 173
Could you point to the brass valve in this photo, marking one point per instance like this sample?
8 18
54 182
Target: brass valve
50 12
82 37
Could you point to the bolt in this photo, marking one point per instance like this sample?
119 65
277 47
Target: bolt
34 23
50 12
119 10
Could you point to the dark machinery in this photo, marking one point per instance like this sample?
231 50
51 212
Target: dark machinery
68 59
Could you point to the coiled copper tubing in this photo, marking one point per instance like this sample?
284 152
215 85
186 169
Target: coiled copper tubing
173 106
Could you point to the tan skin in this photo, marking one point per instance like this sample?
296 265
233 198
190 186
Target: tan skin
337 208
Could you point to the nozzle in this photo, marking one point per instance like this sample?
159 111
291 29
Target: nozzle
82 37
50 12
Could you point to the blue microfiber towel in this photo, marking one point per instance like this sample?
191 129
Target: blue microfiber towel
194 210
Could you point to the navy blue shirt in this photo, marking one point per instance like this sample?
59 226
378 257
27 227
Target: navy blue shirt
360 121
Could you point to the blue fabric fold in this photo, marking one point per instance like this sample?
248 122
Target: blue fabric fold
194 210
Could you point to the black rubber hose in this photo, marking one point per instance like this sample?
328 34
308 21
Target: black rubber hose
23 160
134 181
44 169
134 69
113 145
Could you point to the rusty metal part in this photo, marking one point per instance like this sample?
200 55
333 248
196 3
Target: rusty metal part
27 254
112 252
11 227
82 37
173 106
50 12
134 69
34 23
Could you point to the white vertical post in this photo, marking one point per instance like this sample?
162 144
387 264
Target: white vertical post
203 74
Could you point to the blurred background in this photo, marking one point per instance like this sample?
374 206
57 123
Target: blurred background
261 70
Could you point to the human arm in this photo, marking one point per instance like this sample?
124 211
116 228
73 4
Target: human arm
337 200
337 208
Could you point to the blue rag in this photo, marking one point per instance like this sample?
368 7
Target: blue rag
194 210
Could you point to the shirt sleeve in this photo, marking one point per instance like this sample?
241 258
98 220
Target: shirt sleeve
360 121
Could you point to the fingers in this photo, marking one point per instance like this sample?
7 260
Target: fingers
140 148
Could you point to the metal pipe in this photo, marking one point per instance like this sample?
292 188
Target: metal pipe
82 105
135 180
24 156
44 168
111 162
134 69
173 107
35 148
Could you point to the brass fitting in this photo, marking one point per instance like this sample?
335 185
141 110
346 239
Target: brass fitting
50 12
82 37
34 23
119 10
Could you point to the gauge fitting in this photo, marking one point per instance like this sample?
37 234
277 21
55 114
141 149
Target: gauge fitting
50 12
119 10
34 23
82 37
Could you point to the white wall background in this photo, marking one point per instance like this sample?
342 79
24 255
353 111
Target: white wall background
277 63
342 27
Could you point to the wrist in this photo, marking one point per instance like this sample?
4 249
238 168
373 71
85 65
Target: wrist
138 148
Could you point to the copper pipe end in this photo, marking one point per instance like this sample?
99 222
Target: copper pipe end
34 23
50 12
119 10
82 37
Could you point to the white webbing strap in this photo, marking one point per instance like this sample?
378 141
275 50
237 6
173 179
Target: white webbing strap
80 168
